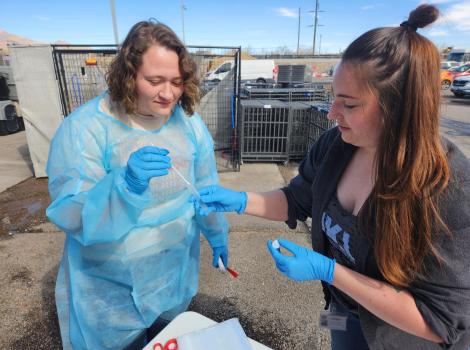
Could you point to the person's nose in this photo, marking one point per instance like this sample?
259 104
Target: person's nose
166 93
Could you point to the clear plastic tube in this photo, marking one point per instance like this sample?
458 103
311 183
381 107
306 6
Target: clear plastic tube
191 188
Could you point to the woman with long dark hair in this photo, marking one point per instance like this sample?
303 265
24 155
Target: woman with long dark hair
389 201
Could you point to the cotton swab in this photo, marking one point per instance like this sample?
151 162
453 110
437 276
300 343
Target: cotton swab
223 269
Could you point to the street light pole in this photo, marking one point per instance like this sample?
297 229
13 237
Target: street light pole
298 34
113 14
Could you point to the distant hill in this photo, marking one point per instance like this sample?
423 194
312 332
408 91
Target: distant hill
13 39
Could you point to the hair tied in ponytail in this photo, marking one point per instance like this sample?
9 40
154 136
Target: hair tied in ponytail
407 24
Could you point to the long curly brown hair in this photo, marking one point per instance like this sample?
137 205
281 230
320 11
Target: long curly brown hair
121 77
401 67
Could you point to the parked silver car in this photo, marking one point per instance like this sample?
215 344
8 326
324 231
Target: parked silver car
461 86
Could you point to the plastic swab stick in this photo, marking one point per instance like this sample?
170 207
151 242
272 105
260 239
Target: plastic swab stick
190 187
221 265
230 271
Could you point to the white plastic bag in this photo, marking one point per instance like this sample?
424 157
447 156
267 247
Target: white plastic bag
227 335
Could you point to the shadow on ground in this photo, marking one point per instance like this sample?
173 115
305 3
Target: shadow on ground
264 325
43 325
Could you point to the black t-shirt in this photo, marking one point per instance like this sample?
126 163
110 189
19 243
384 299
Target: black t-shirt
345 244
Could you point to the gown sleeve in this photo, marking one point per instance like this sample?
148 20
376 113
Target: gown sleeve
214 226
89 202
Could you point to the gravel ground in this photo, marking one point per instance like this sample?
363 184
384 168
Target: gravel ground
29 255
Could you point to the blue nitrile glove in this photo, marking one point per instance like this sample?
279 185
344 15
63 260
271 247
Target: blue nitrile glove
304 265
218 198
143 164
221 252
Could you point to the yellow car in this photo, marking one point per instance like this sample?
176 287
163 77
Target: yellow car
448 76
446 79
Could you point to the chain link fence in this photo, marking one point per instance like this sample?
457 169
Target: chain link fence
81 74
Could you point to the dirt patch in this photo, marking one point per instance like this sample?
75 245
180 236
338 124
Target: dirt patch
267 329
40 327
42 332
22 275
23 206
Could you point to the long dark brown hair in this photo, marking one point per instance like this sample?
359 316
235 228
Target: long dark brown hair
401 67
122 73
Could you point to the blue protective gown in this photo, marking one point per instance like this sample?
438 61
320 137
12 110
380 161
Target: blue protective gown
128 259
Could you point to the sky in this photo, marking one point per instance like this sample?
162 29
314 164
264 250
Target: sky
255 24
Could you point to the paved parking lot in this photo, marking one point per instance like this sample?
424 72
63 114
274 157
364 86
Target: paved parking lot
455 120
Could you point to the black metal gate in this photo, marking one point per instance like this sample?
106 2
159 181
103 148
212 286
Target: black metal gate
81 71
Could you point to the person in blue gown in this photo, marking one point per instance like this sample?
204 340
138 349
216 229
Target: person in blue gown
131 253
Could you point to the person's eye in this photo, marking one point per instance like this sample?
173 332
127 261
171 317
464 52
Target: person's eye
177 83
349 106
153 82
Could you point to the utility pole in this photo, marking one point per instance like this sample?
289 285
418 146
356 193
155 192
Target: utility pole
315 26
182 18
113 14
298 35
319 46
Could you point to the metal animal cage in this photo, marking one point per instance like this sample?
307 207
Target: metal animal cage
291 73
265 130
298 73
274 130
318 123
300 115
266 94
320 92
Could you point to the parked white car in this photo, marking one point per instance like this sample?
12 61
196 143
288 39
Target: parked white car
449 65
260 71
461 86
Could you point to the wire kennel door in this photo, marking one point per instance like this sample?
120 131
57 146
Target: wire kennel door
265 130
